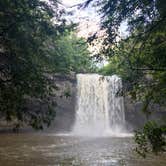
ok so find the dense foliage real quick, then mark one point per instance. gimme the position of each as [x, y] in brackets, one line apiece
[73, 55]
[35, 42]
[139, 57]
[151, 139]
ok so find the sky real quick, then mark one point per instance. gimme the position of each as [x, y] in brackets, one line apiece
[71, 2]
[89, 12]
[87, 18]
[89, 23]
[88, 15]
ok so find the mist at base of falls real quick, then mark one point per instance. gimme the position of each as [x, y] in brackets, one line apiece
[99, 106]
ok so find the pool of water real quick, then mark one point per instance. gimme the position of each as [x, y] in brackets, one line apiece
[64, 150]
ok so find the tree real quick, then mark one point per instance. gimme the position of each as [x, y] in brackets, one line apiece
[72, 54]
[31, 33]
[139, 57]
[25, 26]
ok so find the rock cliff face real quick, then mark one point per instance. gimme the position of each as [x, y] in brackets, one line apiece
[65, 97]
[136, 118]
[66, 100]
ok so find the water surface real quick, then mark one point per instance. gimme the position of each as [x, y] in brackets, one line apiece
[53, 150]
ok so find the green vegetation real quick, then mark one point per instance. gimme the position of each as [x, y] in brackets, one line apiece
[35, 42]
[151, 139]
[140, 57]
[73, 55]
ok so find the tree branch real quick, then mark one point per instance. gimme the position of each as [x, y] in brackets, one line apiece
[150, 69]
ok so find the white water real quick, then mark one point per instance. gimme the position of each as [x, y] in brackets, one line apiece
[99, 109]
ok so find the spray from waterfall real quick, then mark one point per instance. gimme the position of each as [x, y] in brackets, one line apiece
[100, 108]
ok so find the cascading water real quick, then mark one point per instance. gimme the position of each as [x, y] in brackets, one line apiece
[100, 108]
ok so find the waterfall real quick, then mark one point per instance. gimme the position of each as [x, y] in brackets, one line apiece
[99, 108]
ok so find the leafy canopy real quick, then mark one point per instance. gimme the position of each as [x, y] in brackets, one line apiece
[138, 58]
[35, 42]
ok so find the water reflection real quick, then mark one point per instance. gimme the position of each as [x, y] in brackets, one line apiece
[51, 150]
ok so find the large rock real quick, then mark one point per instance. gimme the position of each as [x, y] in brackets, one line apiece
[65, 99]
[136, 118]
